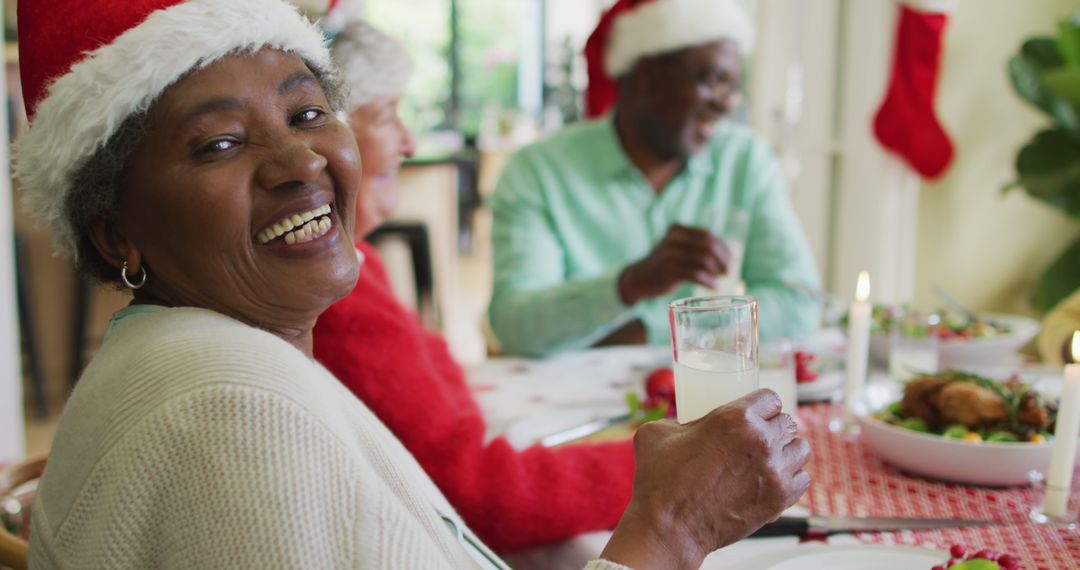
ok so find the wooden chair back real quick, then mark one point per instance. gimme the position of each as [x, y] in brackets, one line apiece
[18, 484]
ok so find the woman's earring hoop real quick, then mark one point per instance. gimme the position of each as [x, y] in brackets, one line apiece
[132, 286]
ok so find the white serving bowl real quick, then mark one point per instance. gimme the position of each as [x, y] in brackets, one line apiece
[979, 463]
[972, 352]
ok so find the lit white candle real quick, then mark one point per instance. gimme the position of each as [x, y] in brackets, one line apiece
[858, 347]
[1059, 477]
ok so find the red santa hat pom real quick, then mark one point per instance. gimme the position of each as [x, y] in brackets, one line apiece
[84, 74]
[633, 29]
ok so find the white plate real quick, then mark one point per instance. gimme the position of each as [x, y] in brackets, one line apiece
[982, 463]
[856, 557]
[821, 389]
[530, 430]
[967, 353]
[828, 350]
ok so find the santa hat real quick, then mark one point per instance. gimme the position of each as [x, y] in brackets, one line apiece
[633, 29]
[88, 65]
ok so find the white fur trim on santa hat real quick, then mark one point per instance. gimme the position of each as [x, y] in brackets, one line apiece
[662, 26]
[931, 6]
[87, 105]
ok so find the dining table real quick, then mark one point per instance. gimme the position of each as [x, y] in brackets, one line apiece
[526, 400]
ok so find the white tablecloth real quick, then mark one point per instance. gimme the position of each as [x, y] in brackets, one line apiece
[527, 399]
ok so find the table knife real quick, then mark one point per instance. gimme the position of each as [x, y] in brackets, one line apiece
[826, 525]
[583, 430]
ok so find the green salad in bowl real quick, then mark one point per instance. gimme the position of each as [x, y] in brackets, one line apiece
[950, 325]
[963, 341]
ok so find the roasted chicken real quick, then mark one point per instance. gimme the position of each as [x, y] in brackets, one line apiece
[949, 399]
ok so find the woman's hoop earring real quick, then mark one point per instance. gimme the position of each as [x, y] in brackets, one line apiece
[133, 286]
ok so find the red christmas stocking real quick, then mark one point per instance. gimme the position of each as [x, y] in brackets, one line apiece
[905, 123]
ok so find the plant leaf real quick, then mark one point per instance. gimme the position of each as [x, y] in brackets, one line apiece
[1043, 53]
[1068, 43]
[655, 414]
[1059, 280]
[1064, 83]
[1010, 186]
[977, 564]
[633, 403]
[1026, 76]
[1049, 169]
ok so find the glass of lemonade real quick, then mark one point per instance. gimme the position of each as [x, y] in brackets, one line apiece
[776, 361]
[715, 348]
[734, 233]
[913, 345]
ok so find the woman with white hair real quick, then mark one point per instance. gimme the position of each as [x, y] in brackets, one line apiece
[375, 69]
[378, 349]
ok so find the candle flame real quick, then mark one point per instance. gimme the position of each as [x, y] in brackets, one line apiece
[1076, 346]
[862, 287]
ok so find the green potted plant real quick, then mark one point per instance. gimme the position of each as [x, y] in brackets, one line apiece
[1046, 74]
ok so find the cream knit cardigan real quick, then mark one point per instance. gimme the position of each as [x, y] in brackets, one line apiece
[195, 441]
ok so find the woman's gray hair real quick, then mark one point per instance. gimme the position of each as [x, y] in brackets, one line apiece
[96, 184]
[372, 63]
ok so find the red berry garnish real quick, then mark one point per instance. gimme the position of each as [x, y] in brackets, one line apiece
[957, 551]
[660, 385]
[1008, 562]
[802, 367]
[938, 567]
[985, 554]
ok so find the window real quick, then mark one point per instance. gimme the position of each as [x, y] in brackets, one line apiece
[468, 56]
[422, 26]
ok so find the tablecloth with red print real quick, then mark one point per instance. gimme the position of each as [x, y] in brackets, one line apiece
[850, 480]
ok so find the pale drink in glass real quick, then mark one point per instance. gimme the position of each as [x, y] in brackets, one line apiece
[715, 350]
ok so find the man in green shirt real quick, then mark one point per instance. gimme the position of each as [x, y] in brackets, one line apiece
[600, 226]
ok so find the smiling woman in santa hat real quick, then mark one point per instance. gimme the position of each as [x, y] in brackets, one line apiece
[190, 151]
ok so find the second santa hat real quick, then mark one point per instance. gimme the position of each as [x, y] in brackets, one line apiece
[633, 29]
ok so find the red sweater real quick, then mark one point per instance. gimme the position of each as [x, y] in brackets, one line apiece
[405, 374]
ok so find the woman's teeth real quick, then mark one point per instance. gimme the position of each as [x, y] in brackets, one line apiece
[309, 231]
[299, 228]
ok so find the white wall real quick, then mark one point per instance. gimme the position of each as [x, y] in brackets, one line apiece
[876, 198]
[574, 18]
[985, 248]
[818, 76]
[792, 94]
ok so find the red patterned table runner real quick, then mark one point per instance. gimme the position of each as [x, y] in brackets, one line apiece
[850, 480]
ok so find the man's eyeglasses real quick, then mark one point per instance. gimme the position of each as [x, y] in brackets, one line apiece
[717, 84]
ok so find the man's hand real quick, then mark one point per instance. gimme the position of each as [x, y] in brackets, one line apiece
[709, 483]
[632, 332]
[684, 254]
